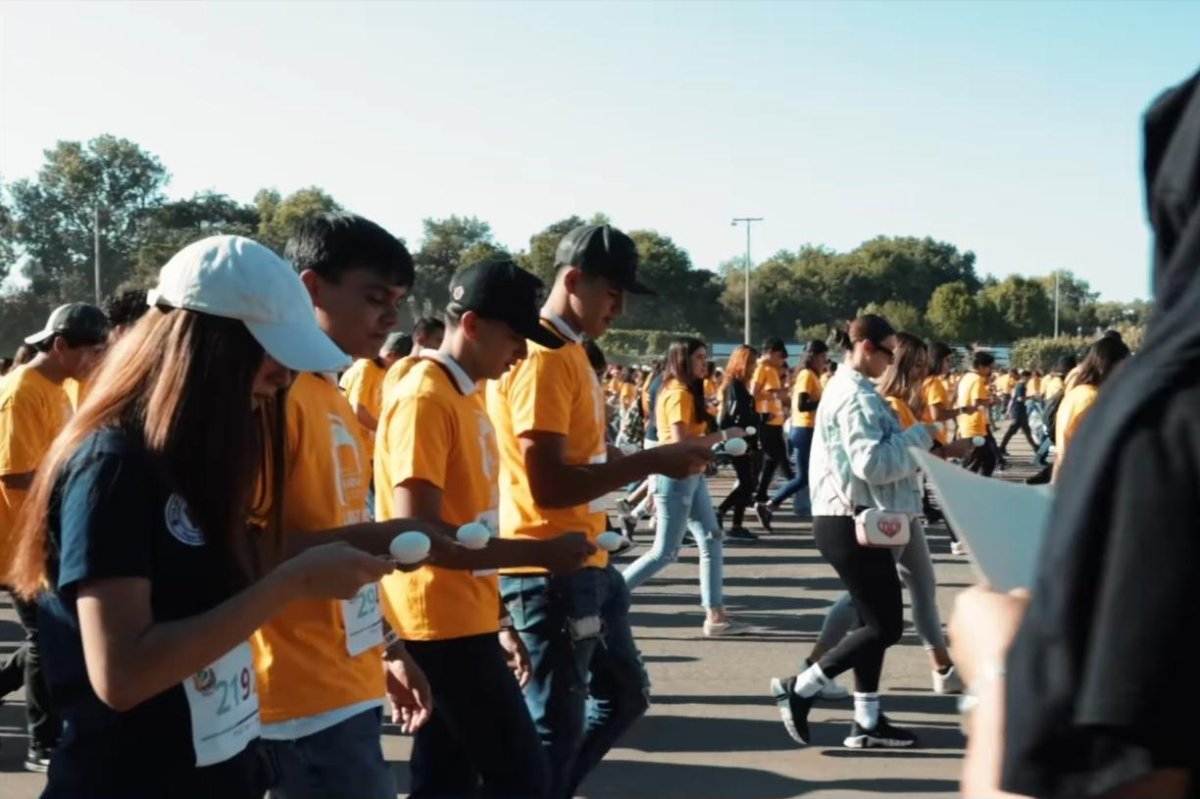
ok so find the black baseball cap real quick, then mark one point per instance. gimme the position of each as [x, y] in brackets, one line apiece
[80, 323]
[603, 251]
[499, 290]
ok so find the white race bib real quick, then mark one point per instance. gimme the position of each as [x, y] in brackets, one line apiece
[223, 701]
[362, 620]
[599, 505]
[491, 520]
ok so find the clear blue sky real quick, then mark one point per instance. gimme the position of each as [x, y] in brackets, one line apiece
[1009, 128]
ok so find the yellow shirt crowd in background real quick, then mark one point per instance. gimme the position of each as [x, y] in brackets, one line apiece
[806, 383]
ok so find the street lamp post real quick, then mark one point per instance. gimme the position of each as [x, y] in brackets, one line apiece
[1056, 277]
[96, 245]
[748, 221]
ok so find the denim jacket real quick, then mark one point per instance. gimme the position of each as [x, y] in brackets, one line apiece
[858, 447]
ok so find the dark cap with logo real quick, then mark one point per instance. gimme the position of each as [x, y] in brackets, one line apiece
[603, 251]
[81, 324]
[499, 290]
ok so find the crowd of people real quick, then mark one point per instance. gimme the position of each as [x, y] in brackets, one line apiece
[203, 485]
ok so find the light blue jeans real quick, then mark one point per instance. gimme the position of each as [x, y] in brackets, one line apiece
[683, 506]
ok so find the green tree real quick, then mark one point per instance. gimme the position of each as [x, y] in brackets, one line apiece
[277, 215]
[165, 230]
[539, 258]
[953, 313]
[907, 269]
[22, 313]
[688, 298]
[1021, 306]
[1076, 300]
[8, 244]
[901, 315]
[54, 216]
[443, 247]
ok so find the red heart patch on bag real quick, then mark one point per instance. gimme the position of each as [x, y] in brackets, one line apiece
[889, 528]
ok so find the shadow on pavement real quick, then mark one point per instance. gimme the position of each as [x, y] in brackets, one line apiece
[618, 779]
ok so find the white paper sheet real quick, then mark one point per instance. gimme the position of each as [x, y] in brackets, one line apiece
[1002, 523]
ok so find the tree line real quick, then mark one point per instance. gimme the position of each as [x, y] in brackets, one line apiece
[48, 226]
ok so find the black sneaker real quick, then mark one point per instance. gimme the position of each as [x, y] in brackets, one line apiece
[763, 511]
[883, 736]
[741, 534]
[37, 760]
[794, 709]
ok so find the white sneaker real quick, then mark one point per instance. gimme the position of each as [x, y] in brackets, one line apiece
[948, 684]
[958, 548]
[722, 629]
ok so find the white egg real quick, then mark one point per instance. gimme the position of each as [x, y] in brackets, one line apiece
[978, 441]
[410, 547]
[474, 535]
[610, 541]
[751, 431]
[736, 447]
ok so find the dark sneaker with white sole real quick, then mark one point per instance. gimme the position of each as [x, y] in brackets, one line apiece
[883, 736]
[792, 708]
[762, 511]
[37, 760]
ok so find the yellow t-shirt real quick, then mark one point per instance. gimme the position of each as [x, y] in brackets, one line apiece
[710, 390]
[933, 392]
[806, 383]
[362, 384]
[1035, 387]
[437, 430]
[903, 412]
[393, 376]
[302, 656]
[33, 411]
[1054, 386]
[825, 379]
[676, 404]
[766, 380]
[551, 391]
[970, 390]
[1075, 405]
[76, 391]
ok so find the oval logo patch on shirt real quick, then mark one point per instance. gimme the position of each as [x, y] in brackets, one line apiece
[180, 523]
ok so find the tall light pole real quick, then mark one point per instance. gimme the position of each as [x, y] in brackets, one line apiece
[1057, 272]
[96, 244]
[748, 221]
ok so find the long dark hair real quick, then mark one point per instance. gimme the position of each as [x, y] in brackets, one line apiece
[679, 367]
[1101, 361]
[180, 383]
[815, 349]
[938, 353]
[897, 380]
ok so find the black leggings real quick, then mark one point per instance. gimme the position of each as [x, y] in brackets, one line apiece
[870, 577]
[742, 494]
[774, 457]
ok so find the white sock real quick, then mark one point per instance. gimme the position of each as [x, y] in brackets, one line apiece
[866, 710]
[810, 681]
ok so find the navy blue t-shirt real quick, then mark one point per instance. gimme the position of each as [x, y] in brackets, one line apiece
[110, 516]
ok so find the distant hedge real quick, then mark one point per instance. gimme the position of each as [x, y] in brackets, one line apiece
[1043, 352]
[627, 345]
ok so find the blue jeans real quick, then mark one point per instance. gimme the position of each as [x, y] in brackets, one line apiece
[480, 729]
[343, 762]
[589, 685]
[801, 440]
[684, 505]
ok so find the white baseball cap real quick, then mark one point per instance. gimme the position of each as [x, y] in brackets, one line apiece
[238, 278]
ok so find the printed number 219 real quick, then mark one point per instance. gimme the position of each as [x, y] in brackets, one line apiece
[235, 692]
